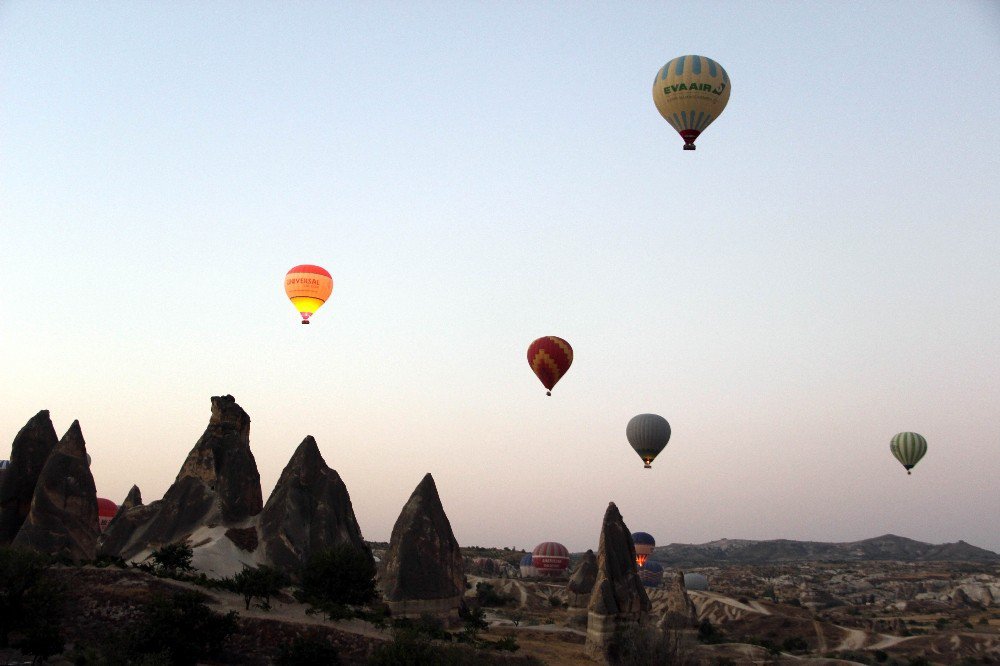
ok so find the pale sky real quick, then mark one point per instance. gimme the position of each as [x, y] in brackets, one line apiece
[820, 274]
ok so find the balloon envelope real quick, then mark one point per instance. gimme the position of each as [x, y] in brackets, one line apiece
[644, 544]
[106, 510]
[308, 287]
[648, 434]
[690, 92]
[550, 558]
[550, 358]
[909, 448]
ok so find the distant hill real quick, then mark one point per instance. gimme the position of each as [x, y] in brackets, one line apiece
[887, 547]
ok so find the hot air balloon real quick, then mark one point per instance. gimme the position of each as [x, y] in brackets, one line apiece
[550, 559]
[308, 287]
[690, 92]
[909, 448]
[648, 434]
[644, 544]
[550, 358]
[106, 510]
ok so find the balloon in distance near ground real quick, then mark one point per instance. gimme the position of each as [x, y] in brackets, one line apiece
[550, 559]
[308, 287]
[690, 92]
[648, 434]
[550, 358]
[106, 510]
[909, 448]
[644, 545]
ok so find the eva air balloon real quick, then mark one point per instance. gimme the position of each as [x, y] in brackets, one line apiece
[648, 434]
[909, 448]
[308, 287]
[690, 92]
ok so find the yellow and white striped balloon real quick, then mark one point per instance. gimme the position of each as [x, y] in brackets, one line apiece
[909, 448]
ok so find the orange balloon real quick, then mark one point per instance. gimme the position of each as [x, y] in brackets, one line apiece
[308, 287]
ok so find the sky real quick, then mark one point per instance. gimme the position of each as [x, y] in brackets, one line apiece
[821, 273]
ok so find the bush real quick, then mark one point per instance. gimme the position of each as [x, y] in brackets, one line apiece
[340, 575]
[307, 652]
[173, 557]
[475, 620]
[487, 595]
[259, 583]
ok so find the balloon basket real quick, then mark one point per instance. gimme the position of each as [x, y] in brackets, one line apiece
[305, 321]
[690, 146]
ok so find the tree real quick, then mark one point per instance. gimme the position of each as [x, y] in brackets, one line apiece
[173, 557]
[338, 576]
[259, 583]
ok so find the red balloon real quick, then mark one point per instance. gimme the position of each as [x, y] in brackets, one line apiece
[550, 358]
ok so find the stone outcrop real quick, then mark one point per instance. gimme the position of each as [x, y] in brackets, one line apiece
[618, 600]
[581, 582]
[131, 514]
[31, 448]
[422, 572]
[679, 611]
[309, 510]
[63, 516]
[218, 485]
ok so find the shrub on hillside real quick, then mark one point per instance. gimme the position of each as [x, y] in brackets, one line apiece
[173, 558]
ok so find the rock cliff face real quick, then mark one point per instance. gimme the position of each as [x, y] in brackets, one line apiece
[308, 511]
[581, 583]
[423, 572]
[63, 516]
[31, 448]
[619, 599]
[218, 485]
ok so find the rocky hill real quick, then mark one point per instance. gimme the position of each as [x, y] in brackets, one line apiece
[887, 547]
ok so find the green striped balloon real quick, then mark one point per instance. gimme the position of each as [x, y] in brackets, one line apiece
[909, 448]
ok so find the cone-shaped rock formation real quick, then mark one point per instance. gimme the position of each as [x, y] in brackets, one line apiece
[618, 599]
[309, 510]
[581, 583]
[679, 611]
[31, 448]
[423, 567]
[131, 513]
[63, 516]
[218, 485]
